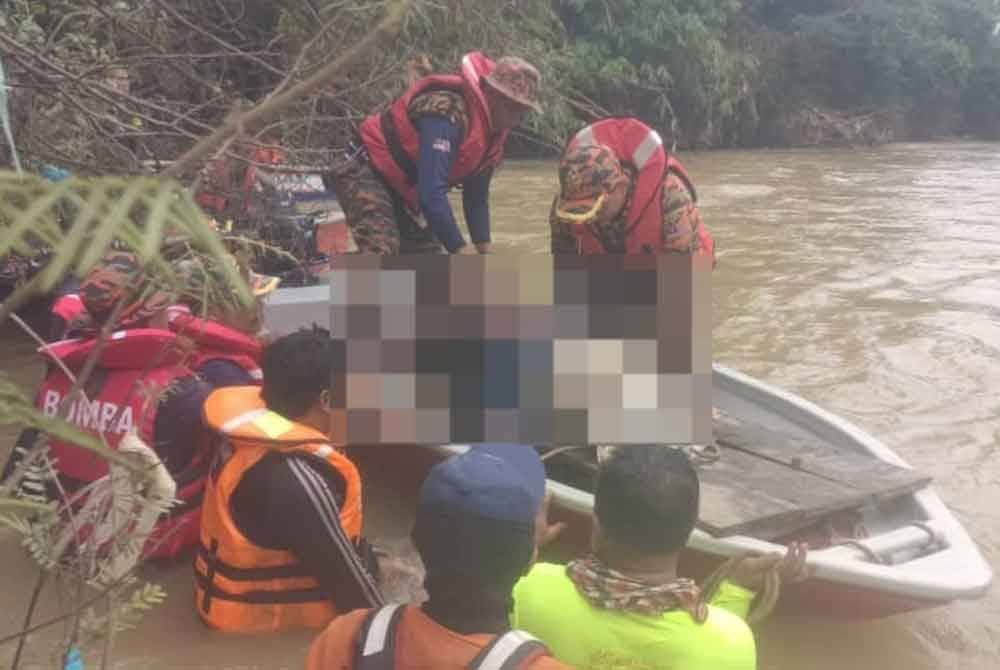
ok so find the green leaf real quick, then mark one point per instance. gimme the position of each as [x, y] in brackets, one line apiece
[23, 506]
[139, 212]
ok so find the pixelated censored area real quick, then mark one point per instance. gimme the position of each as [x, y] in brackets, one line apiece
[537, 349]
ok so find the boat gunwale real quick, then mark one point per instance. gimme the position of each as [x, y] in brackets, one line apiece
[970, 578]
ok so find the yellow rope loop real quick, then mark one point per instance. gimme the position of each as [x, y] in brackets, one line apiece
[763, 605]
[583, 217]
[767, 599]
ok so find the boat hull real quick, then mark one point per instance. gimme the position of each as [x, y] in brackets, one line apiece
[816, 599]
[904, 552]
[392, 476]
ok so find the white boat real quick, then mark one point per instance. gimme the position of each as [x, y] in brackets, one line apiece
[916, 554]
[903, 551]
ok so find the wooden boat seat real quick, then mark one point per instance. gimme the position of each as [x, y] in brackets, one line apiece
[769, 483]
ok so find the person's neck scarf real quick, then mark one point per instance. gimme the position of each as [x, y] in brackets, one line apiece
[608, 589]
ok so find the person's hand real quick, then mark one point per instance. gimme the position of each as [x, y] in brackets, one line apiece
[544, 531]
[484, 247]
[791, 568]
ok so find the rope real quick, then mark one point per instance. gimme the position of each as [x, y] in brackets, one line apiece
[549, 454]
[699, 454]
[763, 605]
[863, 548]
[702, 454]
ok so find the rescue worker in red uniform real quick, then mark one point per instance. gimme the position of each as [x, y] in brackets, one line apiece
[480, 519]
[445, 131]
[227, 346]
[229, 181]
[621, 192]
[128, 390]
[281, 544]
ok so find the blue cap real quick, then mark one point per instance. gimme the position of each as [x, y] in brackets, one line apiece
[504, 482]
[525, 458]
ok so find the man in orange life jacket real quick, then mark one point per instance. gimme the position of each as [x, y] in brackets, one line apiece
[480, 518]
[621, 192]
[281, 544]
[445, 131]
[140, 382]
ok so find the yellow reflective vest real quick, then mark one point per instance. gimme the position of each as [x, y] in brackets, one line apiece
[548, 606]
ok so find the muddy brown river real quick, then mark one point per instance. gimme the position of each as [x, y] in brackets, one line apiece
[866, 281]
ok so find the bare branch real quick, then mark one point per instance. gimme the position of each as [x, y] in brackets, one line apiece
[268, 109]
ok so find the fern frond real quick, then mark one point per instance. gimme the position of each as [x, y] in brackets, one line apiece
[127, 614]
[135, 212]
[23, 506]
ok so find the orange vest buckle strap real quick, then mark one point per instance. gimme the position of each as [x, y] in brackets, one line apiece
[272, 575]
[377, 648]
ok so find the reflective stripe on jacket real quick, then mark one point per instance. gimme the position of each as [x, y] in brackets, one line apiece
[636, 144]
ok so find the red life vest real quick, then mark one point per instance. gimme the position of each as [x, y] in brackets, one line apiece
[218, 342]
[393, 142]
[119, 403]
[638, 145]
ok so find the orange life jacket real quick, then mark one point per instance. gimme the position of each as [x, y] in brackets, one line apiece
[638, 145]
[393, 142]
[403, 637]
[241, 587]
[378, 646]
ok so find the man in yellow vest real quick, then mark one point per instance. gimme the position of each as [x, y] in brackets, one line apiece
[281, 543]
[625, 606]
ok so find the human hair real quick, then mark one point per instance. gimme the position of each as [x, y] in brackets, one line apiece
[297, 368]
[646, 499]
[471, 566]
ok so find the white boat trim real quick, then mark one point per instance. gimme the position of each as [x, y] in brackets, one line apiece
[957, 571]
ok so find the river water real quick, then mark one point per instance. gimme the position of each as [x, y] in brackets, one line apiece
[867, 281]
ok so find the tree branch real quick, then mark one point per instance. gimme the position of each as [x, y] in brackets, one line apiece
[270, 108]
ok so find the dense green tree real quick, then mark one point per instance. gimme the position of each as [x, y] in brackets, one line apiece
[676, 63]
[704, 72]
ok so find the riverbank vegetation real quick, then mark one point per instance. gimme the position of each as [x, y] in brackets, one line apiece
[105, 86]
[89, 544]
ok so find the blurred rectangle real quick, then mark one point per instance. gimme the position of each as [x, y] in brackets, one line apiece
[537, 349]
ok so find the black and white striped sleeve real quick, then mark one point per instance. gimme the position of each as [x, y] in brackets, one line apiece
[309, 520]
